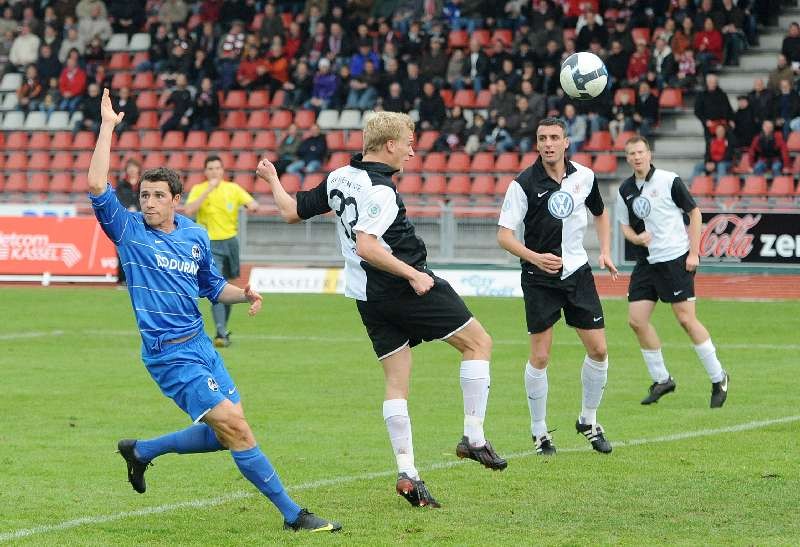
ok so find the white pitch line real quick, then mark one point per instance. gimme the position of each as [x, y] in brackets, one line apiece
[212, 502]
[35, 334]
[522, 341]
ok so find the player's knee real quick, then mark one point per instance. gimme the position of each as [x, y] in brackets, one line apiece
[483, 342]
[685, 320]
[539, 359]
[636, 324]
[598, 352]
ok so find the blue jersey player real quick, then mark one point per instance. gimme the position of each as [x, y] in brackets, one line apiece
[168, 265]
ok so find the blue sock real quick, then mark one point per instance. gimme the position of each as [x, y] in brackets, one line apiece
[192, 440]
[256, 468]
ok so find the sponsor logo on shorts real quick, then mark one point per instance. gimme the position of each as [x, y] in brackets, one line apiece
[560, 204]
[676, 293]
[212, 384]
[641, 207]
[596, 319]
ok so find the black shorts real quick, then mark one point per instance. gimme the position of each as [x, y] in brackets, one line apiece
[226, 255]
[409, 319]
[666, 281]
[546, 296]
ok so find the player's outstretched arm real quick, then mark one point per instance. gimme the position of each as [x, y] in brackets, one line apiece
[369, 248]
[232, 294]
[101, 158]
[546, 262]
[287, 205]
[602, 224]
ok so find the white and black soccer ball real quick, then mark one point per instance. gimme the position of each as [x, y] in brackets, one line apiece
[583, 75]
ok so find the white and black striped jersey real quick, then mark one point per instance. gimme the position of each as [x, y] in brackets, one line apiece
[554, 214]
[656, 204]
[365, 199]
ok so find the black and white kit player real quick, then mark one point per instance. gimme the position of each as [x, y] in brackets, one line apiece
[651, 205]
[551, 199]
[401, 302]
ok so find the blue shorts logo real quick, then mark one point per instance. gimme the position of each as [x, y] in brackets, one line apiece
[560, 204]
[212, 384]
[641, 207]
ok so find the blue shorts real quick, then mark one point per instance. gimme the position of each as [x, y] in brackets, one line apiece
[193, 375]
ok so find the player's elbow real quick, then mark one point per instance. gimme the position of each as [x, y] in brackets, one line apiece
[503, 235]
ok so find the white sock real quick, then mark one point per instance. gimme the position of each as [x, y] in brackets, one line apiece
[536, 386]
[395, 414]
[475, 387]
[594, 375]
[655, 365]
[708, 356]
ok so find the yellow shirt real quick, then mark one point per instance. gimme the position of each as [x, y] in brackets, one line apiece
[219, 212]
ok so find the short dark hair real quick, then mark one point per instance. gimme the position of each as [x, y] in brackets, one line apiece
[550, 121]
[164, 174]
[212, 157]
[638, 138]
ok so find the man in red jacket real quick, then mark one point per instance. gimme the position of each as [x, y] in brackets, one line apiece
[72, 83]
[768, 149]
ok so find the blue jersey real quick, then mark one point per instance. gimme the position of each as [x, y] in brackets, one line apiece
[166, 273]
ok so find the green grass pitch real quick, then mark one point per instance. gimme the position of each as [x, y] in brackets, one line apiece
[680, 473]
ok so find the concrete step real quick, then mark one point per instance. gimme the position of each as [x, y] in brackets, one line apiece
[786, 18]
[757, 61]
[772, 41]
[687, 147]
[688, 124]
[736, 84]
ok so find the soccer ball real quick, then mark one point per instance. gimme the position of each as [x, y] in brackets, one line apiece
[583, 75]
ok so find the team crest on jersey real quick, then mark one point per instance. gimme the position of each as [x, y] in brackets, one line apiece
[507, 205]
[196, 252]
[560, 204]
[641, 207]
[213, 385]
[374, 210]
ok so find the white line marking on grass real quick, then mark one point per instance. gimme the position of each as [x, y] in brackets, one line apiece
[212, 502]
[35, 334]
[523, 341]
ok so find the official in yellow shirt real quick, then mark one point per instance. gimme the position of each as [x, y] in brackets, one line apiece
[216, 203]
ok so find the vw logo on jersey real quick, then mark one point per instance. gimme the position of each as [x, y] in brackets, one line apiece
[196, 252]
[641, 207]
[560, 204]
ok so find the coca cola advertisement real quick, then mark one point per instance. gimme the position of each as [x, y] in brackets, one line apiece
[746, 238]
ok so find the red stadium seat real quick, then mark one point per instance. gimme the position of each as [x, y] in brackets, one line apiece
[281, 119]
[255, 24]
[504, 35]
[264, 140]
[755, 185]
[483, 36]
[728, 186]
[143, 81]
[16, 182]
[600, 141]
[426, 140]
[629, 91]
[447, 97]
[502, 185]
[197, 162]
[258, 119]
[39, 160]
[246, 181]
[434, 184]
[147, 100]
[85, 140]
[219, 140]
[743, 167]
[242, 140]
[80, 183]
[337, 159]
[640, 33]
[702, 185]
[148, 120]
[528, 159]
[583, 158]
[39, 141]
[483, 185]
[60, 183]
[38, 182]
[16, 161]
[622, 139]
[173, 140]
[150, 140]
[62, 140]
[121, 79]
[670, 98]
[354, 142]
[291, 182]
[781, 186]
[465, 98]
[235, 119]
[153, 159]
[410, 184]
[139, 57]
[483, 99]
[483, 162]
[434, 161]
[278, 99]
[312, 180]
[413, 165]
[258, 100]
[507, 162]
[260, 186]
[335, 140]
[196, 140]
[120, 61]
[235, 100]
[16, 140]
[458, 39]
[794, 141]
[304, 119]
[246, 161]
[62, 161]
[82, 161]
[605, 164]
[458, 162]
[459, 185]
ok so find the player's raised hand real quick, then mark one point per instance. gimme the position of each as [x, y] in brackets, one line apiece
[547, 262]
[421, 283]
[605, 262]
[255, 300]
[107, 113]
[644, 239]
[692, 262]
[266, 170]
